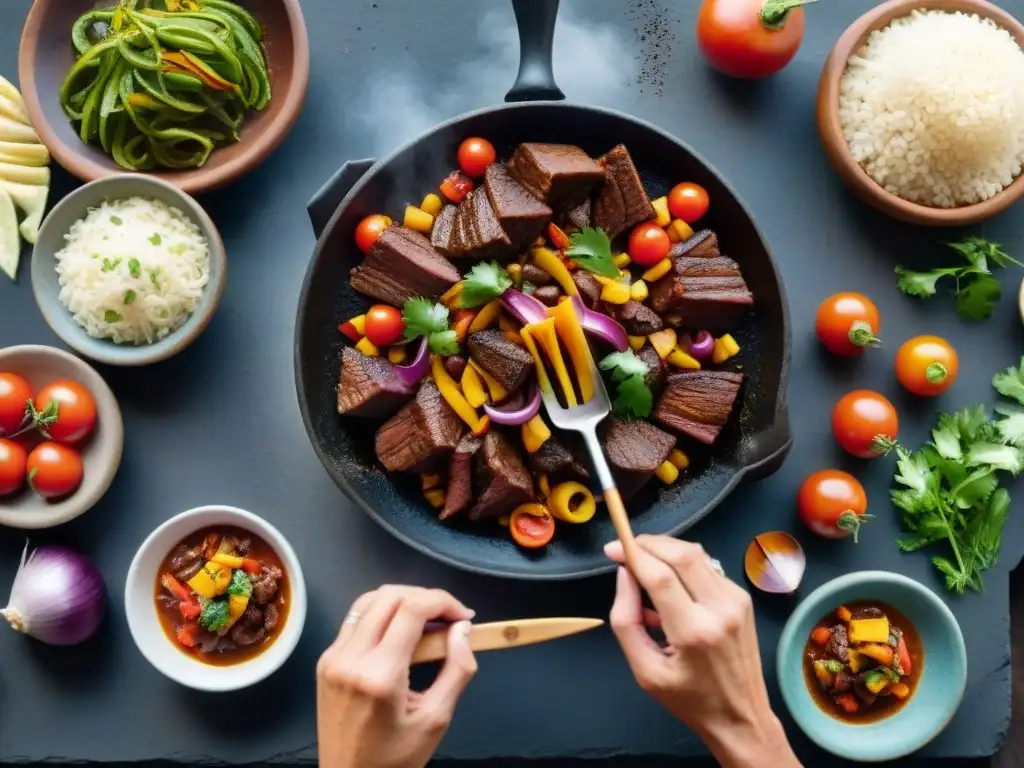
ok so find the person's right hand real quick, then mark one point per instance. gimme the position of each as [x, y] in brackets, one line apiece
[709, 673]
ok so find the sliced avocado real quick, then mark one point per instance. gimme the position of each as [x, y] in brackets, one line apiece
[31, 199]
[10, 243]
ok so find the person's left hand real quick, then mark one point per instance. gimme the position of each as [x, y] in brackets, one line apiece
[367, 716]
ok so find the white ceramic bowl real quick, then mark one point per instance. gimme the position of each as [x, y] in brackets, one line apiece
[160, 650]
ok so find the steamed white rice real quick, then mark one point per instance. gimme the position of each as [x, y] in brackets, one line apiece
[133, 270]
[932, 107]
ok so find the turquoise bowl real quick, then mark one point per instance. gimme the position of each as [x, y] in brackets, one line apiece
[939, 690]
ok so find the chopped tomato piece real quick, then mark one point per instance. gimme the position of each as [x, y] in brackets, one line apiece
[456, 186]
[190, 609]
[821, 635]
[175, 587]
[903, 656]
[187, 635]
[252, 566]
[848, 703]
[558, 238]
[349, 330]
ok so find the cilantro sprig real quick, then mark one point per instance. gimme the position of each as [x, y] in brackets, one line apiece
[485, 281]
[977, 291]
[592, 250]
[633, 399]
[422, 317]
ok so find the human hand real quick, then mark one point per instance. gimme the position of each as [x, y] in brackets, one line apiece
[708, 675]
[367, 716]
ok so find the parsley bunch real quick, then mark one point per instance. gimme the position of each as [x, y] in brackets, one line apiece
[633, 399]
[422, 317]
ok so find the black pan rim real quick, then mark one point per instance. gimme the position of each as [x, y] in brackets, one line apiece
[367, 508]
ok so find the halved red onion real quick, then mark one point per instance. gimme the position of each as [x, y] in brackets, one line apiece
[702, 345]
[604, 327]
[513, 418]
[413, 373]
[523, 307]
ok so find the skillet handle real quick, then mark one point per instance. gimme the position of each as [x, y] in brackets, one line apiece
[536, 78]
[765, 453]
[327, 199]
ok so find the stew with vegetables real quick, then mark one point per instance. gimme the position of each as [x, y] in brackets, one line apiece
[222, 595]
[863, 662]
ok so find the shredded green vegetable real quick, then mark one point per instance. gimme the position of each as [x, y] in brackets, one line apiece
[162, 83]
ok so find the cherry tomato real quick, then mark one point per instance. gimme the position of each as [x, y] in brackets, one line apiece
[369, 230]
[12, 466]
[833, 504]
[903, 654]
[54, 470]
[14, 396]
[456, 186]
[927, 365]
[75, 416]
[475, 155]
[688, 201]
[738, 39]
[648, 244]
[847, 323]
[384, 325]
[532, 526]
[860, 419]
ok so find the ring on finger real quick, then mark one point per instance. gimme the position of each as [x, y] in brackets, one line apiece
[352, 618]
[716, 565]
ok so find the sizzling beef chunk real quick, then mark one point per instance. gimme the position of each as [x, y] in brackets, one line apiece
[560, 459]
[444, 225]
[622, 202]
[248, 630]
[561, 175]
[243, 546]
[265, 584]
[844, 681]
[549, 295]
[455, 365]
[521, 215]
[866, 696]
[634, 449]
[587, 285]
[424, 431]
[502, 480]
[402, 264]
[509, 363]
[534, 274]
[271, 615]
[703, 244]
[368, 386]
[460, 477]
[655, 378]
[698, 403]
[577, 217]
[477, 234]
[702, 292]
[186, 562]
[839, 643]
[637, 319]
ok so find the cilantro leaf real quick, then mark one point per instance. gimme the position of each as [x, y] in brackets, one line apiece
[634, 400]
[922, 284]
[624, 364]
[443, 343]
[213, 615]
[241, 585]
[956, 580]
[979, 252]
[423, 317]
[977, 300]
[995, 455]
[986, 530]
[592, 250]
[1011, 427]
[134, 268]
[975, 488]
[485, 281]
[947, 441]
[1009, 382]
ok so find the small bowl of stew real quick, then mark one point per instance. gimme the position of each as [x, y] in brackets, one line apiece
[215, 598]
[872, 666]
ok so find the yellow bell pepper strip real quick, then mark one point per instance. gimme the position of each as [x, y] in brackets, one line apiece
[621, 261]
[725, 347]
[869, 631]
[544, 334]
[435, 497]
[680, 359]
[880, 652]
[367, 347]
[498, 392]
[506, 323]
[660, 207]
[637, 342]
[236, 607]
[663, 342]
[844, 614]
[667, 472]
[543, 486]
[900, 691]
[212, 580]
[679, 459]
[486, 316]
[429, 480]
[561, 505]
[515, 271]
[418, 220]
[473, 387]
[679, 230]
[570, 331]
[515, 338]
[638, 291]
[431, 204]
[531, 346]
[658, 271]
[231, 561]
[452, 394]
[550, 262]
[615, 292]
[534, 434]
[450, 297]
[482, 426]
[397, 355]
[857, 661]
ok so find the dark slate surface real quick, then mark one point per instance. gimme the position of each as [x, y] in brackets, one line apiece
[219, 423]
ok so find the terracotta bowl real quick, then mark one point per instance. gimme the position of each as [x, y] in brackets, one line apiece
[46, 56]
[837, 150]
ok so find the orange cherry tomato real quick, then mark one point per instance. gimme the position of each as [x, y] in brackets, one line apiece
[14, 396]
[532, 526]
[13, 460]
[833, 504]
[75, 411]
[927, 365]
[369, 230]
[847, 323]
[54, 470]
[384, 325]
[648, 244]
[688, 201]
[863, 421]
[741, 39]
[475, 155]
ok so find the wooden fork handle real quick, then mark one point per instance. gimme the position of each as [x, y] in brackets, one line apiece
[617, 511]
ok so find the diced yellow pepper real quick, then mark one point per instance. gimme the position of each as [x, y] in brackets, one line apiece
[534, 434]
[451, 393]
[544, 333]
[560, 502]
[876, 683]
[881, 652]
[663, 341]
[661, 209]
[681, 359]
[418, 219]
[397, 355]
[621, 261]
[637, 342]
[658, 271]
[869, 630]
[725, 347]
[515, 271]
[638, 291]
[667, 473]
[431, 204]
[498, 392]
[615, 292]
[212, 580]
[450, 298]
[231, 561]
[236, 607]
[551, 263]
[858, 661]
[515, 338]
[900, 690]
[569, 330]
[429, 480]
[367, 347]
[844, 614]
[543, 486]
[359, 323]
[473, 387]
[679, 459]
[679, 230]
[435, 497]
[486, 317]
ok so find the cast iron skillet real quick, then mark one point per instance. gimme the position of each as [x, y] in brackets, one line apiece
[753, 445]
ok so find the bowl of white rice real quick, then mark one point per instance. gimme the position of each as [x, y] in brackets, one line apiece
[921, 110]
[128, 270]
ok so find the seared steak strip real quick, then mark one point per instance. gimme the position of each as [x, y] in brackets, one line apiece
[403, 264]
[698, 403]
[560, 175]
[368, 386]
[508, 363]
[502, 480]
[635, 449]
[425, 430]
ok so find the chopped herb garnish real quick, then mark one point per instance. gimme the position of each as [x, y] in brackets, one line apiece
[109, 265]
[154, 277]
[422, 317]
[155, 239]
[633, 400]
[485, 281]
[241, 585]
[214, 615]
[134, 268]
[110, 316]
[116, 220]
[129, 297]
[528, 287]
[592, 250]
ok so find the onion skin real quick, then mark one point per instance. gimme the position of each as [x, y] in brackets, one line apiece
[523, 307]
[518, 416]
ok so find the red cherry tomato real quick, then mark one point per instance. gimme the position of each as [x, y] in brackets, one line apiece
[903, 654]
[384, 325]
[927, 365]
[14, 396]
[532, 526]
[456, 186]
[847, 323]
[12, 466]
[648, 244]
[75, 411]
[688, 201]
[475, 155]
[54, 470]
[861, 419]
[369, 230]
[832, 504]
[740, 39]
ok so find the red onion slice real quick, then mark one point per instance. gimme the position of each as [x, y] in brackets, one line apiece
[513, 418]
[413, 373]
[702, 345]
[523, 307]
[604, 327]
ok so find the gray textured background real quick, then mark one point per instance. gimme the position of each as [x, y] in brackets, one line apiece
[219, 423]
